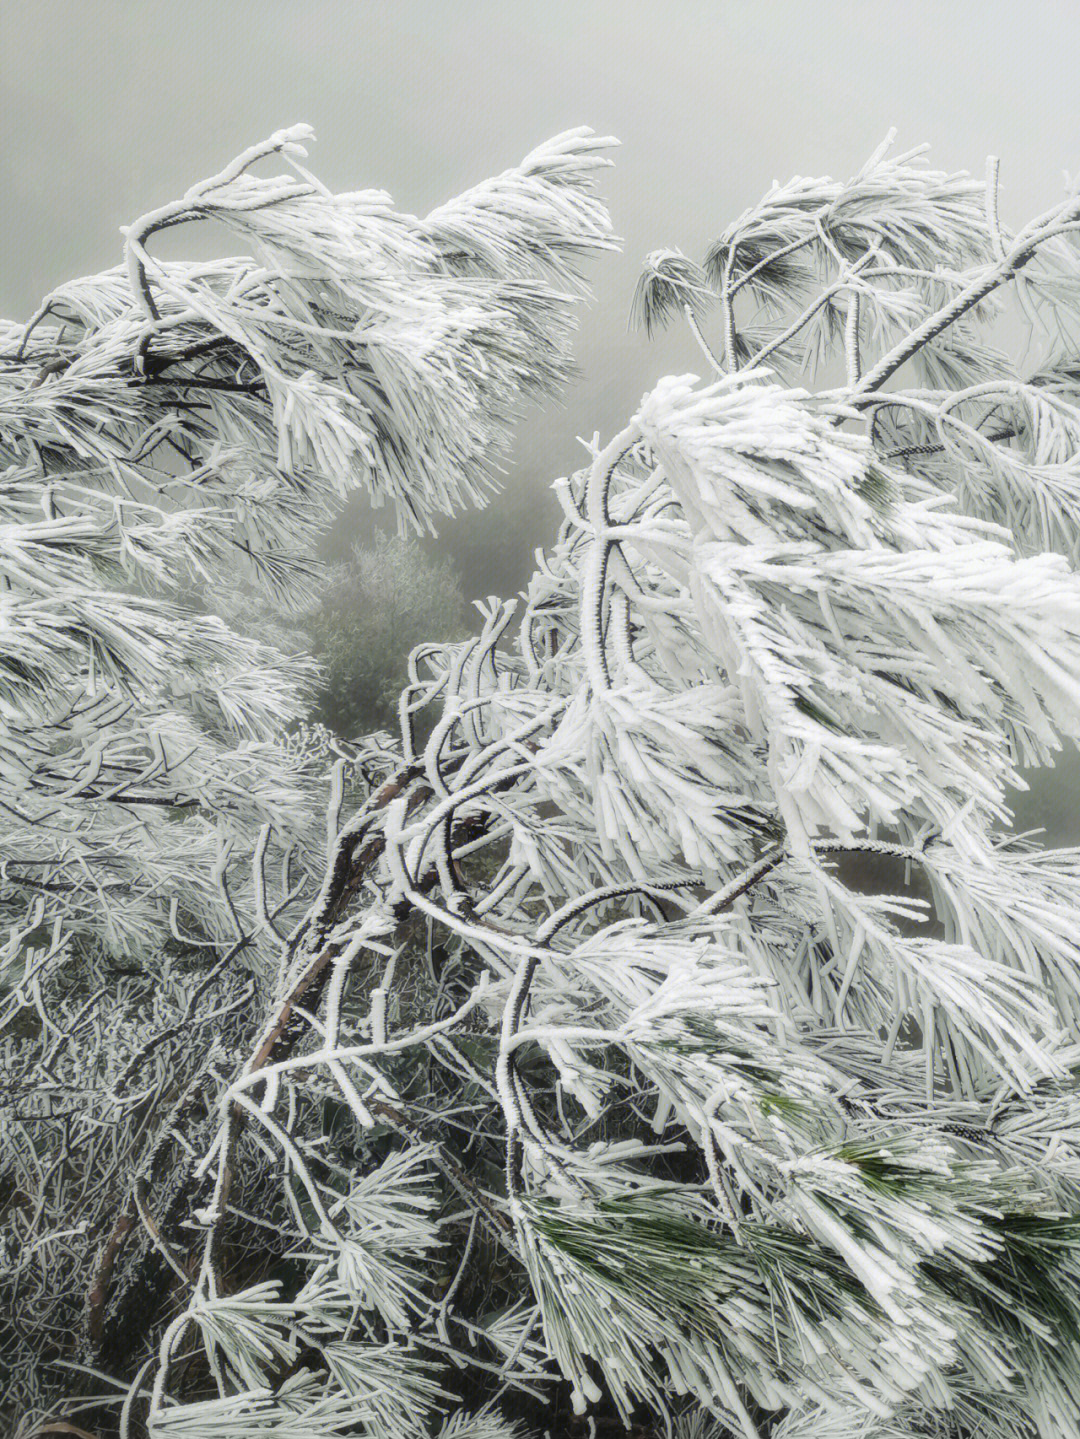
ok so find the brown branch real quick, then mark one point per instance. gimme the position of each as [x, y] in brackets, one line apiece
[61, 1426]
[51, 367]
[256, 387]
[286, 1028]
[162, 360]
[98, 1292]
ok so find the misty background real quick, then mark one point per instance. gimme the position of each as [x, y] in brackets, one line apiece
[112, 107]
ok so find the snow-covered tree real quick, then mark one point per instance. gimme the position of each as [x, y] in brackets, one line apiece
[596, 1083]
[163, 808]
[370, 611]
[376, 607]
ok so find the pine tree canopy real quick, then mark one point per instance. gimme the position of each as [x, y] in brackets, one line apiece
[664, 1029]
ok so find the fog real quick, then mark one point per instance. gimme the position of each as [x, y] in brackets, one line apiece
[111, 107]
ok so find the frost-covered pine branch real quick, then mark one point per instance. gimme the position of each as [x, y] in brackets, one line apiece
[163, 804]
[597, 1083]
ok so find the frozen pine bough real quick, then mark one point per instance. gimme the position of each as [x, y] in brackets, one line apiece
[166, 429]
[679, 1038]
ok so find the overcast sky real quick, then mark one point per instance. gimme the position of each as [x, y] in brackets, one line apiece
[111, 107]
